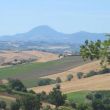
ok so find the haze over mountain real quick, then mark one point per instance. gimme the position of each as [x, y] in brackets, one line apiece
[47, 34]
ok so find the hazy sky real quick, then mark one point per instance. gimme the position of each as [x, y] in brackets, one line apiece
[67, 16]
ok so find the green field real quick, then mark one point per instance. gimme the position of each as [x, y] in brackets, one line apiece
[29, 73]
[78, 97]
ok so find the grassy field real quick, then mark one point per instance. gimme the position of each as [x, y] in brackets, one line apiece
[29, 73]
[78, 97]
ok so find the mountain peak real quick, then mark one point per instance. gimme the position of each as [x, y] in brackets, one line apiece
[42, 28]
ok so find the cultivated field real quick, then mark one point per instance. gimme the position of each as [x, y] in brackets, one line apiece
[29, 73]
[83, 68]
[98, 82]
[9, 57]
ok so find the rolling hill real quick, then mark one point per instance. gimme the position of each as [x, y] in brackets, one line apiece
[47, 34]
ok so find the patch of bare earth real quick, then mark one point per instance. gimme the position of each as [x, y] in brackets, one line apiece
[43, 56]
[38, 56]
[98, 82]
[7, 97]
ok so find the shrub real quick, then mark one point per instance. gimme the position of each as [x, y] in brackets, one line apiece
[46, 81]
[15, 105]
[17, 85]
[58, 80]
[104, 71]
[91, 73]
[89, 96]
[80, 75]
[73, 105]
[2, 105]
[69, 77]
[43, 96]
[56, 97]
[57, 86]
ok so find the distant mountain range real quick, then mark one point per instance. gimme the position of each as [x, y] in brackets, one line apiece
[48, 35]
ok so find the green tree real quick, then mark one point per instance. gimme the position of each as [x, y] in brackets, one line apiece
[56, 97]
[69, 77]
[15, 105]
[96, 50]
[17, 85]
[80, 75]
[2, 105]
[30, 103]
[58, 80]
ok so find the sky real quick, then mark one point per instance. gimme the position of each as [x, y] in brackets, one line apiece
[67, 16]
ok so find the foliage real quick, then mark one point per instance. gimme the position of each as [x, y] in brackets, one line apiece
[56, 97]
[65, 108]
[15, 105]
[17, 85]
[46, 81]
[69, 77]
[83, 107]
[91, 73]
[30, 103]
[2, 105]
[80, 75]
[96, 50]
[58, 80]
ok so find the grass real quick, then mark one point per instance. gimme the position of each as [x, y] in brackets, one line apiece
[78, 97]
[29, 73]
[7, 100]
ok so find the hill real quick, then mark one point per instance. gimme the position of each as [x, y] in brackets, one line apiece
[98, 82]
[47, 34]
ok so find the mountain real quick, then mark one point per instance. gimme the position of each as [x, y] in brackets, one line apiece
[46, 34]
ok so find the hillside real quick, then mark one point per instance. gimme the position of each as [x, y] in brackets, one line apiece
[98, 82]
[48, 35]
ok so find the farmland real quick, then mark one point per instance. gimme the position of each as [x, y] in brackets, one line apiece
[78, 97]
[29, 73]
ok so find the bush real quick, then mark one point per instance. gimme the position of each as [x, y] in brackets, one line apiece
[46, 81]
[58, 80]
[15, 105]
[2, 105]
[80, 75]
[43, 96]
[57, 86]
[91, 73]
[17, 85]
[89, 96]
[104, 71]
[69, 77]
[73, 105]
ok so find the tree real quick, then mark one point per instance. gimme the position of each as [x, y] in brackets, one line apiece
[58, 80]
[15, 105]
[96, 50]
[30, 102]
[69, 77]
[80, 75]
[2, 105]
[56, 97]
[17, 85]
